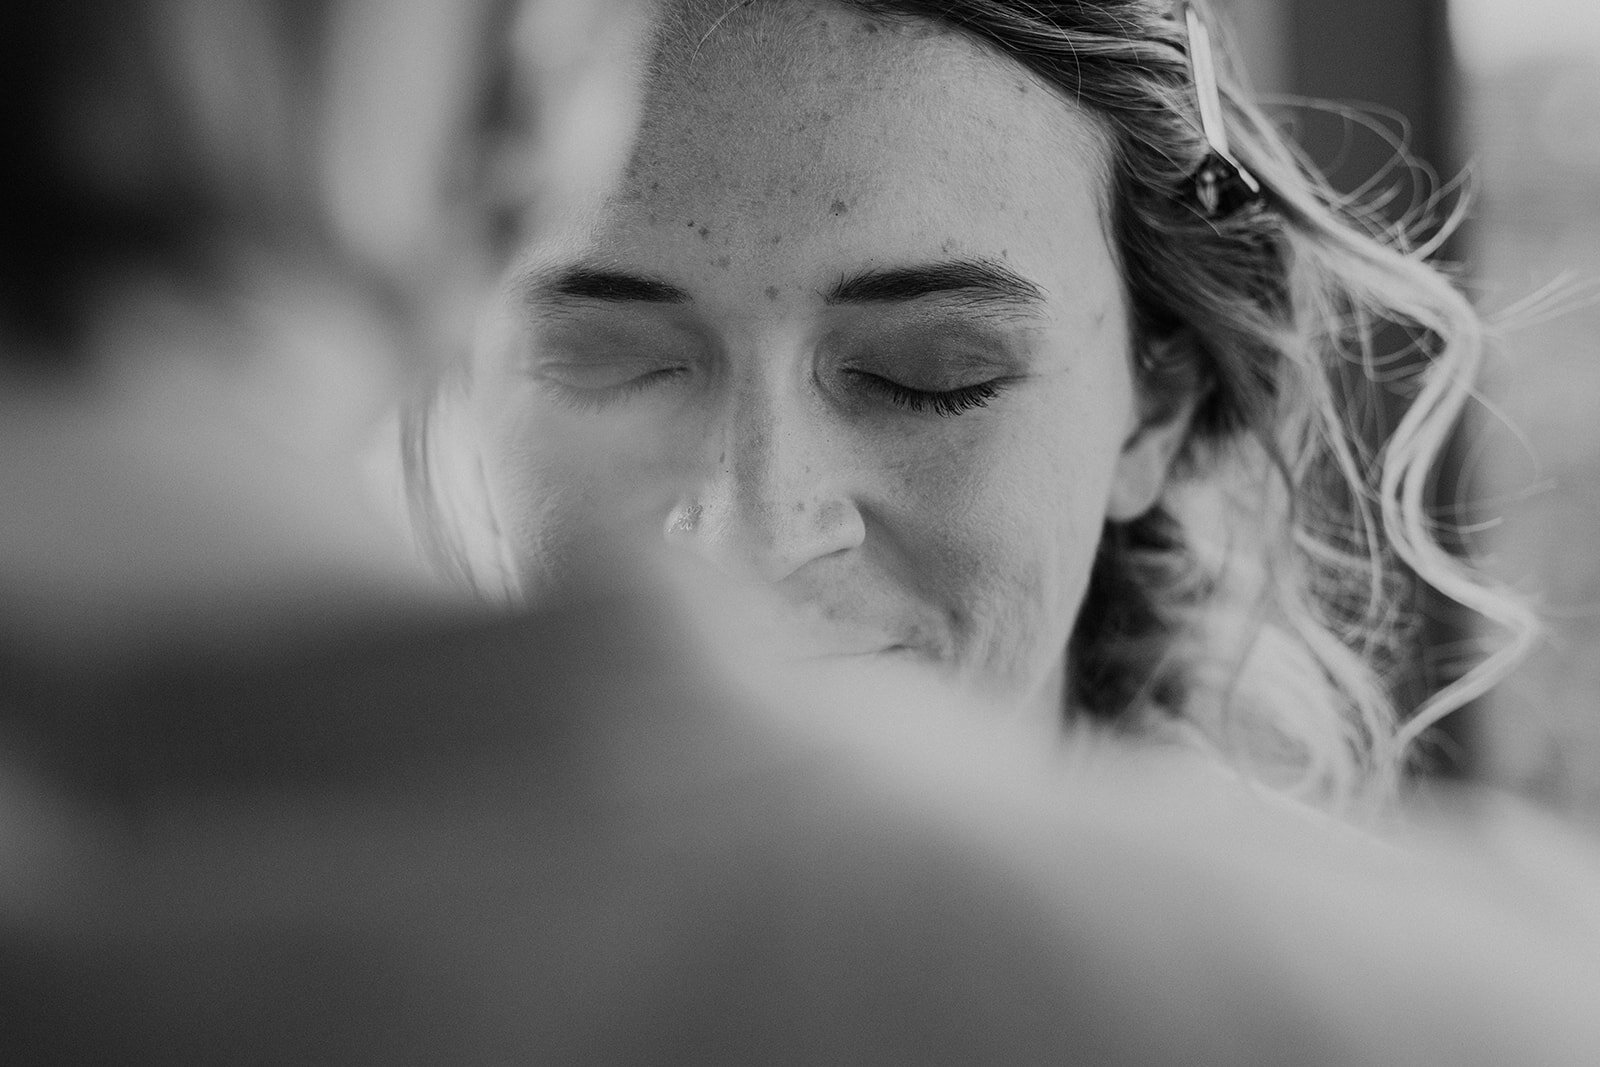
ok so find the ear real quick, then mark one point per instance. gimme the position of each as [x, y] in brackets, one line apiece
[1157, 430]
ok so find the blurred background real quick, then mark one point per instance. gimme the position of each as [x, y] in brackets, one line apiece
[1507, 93]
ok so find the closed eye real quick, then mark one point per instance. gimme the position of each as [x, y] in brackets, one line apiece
[592, 386]
[945, 403]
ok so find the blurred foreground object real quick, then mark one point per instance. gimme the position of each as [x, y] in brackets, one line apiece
[569, 838]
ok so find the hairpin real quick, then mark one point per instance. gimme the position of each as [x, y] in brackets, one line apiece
[1221, 185]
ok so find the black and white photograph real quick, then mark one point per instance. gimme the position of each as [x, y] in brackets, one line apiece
[800, 532]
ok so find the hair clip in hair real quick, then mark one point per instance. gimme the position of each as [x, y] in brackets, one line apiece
[1221, 185]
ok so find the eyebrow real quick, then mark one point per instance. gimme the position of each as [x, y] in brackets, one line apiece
[975, 282]
[600, 284]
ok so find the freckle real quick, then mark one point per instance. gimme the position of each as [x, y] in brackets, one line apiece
[1022, 87]
[799, 506]
[704, 231]
[870, 28]
[801, 128]
[690, 224]
[724, 262]
[653, 219]
[826, 116]
[793, 191]
[776, 238]
[655, 187]
[838, 208]
[772, 292]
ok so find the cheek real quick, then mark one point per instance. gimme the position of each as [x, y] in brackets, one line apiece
[538, 499]
[1002, 527]
[561, 483]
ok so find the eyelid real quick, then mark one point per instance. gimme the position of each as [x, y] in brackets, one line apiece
[945, 403]
[601, 367]
[932, 368]
[597, 397]
[943, 340]
[599, 327]
[612, 340]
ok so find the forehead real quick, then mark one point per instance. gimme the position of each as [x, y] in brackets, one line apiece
[814, 133]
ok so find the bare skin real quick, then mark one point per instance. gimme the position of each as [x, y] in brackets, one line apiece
[852, 330]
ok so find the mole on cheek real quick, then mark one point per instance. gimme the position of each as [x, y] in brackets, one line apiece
[772, 292]
[704, 232]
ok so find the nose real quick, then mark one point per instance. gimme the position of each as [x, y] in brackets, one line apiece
[773, 498]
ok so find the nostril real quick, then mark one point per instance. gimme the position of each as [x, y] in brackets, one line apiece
[764, 540]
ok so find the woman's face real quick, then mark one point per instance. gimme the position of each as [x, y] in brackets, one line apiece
[853, 330]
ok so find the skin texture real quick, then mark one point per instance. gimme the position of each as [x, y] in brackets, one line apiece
[747, 417]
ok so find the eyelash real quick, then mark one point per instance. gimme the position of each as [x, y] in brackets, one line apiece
[599, 399]
[945, 404]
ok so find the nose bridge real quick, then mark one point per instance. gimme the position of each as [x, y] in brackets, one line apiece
[762, 461]
[775, 498]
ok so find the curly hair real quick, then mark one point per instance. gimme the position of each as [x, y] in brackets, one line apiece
[1263, 601]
